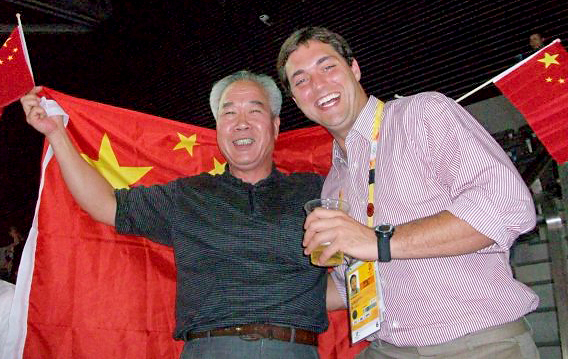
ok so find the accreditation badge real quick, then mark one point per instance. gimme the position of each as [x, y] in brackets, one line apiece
[365, 298]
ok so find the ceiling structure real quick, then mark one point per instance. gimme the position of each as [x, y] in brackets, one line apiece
[163, 56]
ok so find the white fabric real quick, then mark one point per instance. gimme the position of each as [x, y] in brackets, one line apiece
[6, 297]
[16, 337]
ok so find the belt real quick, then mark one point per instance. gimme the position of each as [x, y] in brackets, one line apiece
[262, 331]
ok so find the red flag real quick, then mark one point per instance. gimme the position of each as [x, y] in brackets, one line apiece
[16, 78]
[538, 88]
[96, 294]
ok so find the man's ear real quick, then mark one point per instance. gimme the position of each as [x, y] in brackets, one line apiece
[276, 124]
[355, 69]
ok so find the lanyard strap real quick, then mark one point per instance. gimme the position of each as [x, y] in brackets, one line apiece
[373, 161]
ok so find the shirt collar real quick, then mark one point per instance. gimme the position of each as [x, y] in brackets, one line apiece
[274, 175]
[362, 127]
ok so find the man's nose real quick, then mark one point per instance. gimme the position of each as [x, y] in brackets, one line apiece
[317, 81]
[242, 122]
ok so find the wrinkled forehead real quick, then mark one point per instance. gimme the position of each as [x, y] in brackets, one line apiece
[244, 90]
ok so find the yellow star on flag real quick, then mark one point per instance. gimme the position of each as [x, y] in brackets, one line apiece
[548, 59]
[561, 81]
[549, 79]
[187, 143]
[218, 167]
[107, 165]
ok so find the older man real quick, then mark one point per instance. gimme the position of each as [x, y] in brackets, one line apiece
[244, 287]
[429, 188]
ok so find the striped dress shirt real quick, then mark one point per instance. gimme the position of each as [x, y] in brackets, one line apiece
[433, 156]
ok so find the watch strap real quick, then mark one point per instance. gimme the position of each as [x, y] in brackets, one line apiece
[384, 233]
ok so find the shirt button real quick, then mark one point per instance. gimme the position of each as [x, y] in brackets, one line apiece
[395, 324]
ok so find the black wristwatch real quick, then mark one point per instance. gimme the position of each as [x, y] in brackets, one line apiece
[384, 233]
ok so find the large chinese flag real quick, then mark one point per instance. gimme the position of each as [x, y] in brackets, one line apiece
[85, 292]
[538, 88]
[16, 77]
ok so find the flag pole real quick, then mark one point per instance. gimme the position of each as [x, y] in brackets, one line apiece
[475, 90]
[24, 46]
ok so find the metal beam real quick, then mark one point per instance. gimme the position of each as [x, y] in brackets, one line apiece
[58, 11]
[47, 29]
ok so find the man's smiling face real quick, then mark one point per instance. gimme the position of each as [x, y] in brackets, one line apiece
[325, 87]
[246, 131]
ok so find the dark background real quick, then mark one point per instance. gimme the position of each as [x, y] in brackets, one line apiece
[161, 57]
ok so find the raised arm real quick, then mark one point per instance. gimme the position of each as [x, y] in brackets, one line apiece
[91, 191]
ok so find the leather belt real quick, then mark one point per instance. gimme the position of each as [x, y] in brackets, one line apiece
[262, 331]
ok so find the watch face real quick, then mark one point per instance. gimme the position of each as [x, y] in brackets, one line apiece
[385, 228]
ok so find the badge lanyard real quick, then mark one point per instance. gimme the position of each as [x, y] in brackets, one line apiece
[373, 161]
[364, 290]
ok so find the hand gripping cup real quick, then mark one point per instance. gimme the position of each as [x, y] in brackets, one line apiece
[327, 203]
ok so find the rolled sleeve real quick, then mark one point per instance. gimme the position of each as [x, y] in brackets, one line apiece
[502, 225]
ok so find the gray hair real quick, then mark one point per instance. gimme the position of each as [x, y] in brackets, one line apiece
[264, 81]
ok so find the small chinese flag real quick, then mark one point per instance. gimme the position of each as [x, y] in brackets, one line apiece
[16, 78]
[538, 88]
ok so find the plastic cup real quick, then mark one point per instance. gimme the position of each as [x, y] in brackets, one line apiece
[327, 203]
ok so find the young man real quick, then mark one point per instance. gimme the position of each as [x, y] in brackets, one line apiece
[244, 287]
[446, 195]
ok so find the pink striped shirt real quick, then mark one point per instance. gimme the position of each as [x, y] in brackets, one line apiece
[433, 156]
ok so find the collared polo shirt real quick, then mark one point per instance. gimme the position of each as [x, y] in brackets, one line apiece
[237, 248]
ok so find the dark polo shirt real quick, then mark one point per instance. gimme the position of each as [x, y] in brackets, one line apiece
[237, 248]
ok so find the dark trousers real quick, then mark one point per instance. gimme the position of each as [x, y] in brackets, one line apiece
[230, 347]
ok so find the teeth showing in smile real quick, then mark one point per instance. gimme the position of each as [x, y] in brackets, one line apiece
[328, 100]
[243, 141]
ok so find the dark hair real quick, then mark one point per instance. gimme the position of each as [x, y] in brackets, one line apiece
[301, 37]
